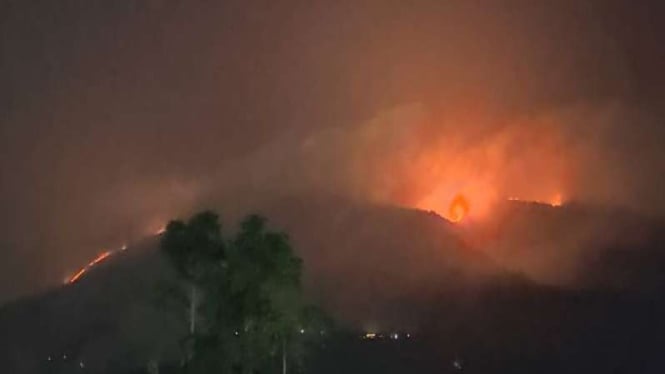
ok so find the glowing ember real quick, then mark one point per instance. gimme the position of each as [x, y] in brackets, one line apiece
[459, 208]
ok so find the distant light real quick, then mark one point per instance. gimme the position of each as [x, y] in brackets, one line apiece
[81, 364]
[236, 333]
[394, 336]
[457, 364]
[49, 358]
[124, 247]
[369, 335]
[408, 336]
[302, 331]
[64, 357]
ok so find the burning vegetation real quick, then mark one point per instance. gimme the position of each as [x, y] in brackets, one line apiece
[101, 257]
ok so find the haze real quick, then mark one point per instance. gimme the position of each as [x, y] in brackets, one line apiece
[116, 116]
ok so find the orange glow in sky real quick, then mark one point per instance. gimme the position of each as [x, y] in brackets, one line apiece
[463, 175]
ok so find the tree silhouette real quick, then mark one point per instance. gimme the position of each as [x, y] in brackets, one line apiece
[196, 250]
[246, 295]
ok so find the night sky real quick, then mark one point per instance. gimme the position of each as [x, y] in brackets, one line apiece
[118, 115]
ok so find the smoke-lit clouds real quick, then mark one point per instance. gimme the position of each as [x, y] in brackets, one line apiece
[419, 156]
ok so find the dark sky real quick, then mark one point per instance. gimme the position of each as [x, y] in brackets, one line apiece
[116, 115]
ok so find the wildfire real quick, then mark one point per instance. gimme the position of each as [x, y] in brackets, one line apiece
[458, 209]
[555, 201]
[76, 276]
[101, 257]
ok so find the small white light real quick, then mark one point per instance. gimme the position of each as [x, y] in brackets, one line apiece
[64, 357]
[236, 333]
[302, 331]
[49, 358]
[81, 364]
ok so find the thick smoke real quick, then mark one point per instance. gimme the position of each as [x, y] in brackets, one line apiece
[417, 155]
[120, 115]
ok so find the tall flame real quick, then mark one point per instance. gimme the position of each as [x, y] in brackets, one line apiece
[459, 208]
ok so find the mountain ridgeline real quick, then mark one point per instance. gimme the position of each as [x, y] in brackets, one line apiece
[536, 288]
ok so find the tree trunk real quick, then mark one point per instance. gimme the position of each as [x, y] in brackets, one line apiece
[153, 366]
[192, 326]
[283, 356]
[192, 311]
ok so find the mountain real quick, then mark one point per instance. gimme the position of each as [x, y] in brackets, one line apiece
[575, 244]
[472, 290]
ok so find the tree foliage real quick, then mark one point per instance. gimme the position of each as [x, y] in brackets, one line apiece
[195, 246]
[252, 316]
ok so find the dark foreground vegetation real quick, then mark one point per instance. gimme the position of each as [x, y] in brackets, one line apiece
[242, 297]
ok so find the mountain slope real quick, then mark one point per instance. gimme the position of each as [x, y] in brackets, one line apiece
[382, 267]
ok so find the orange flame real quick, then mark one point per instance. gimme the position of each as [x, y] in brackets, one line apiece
[555, 201]
[78, 275]
[101, 257]
[459, 208]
